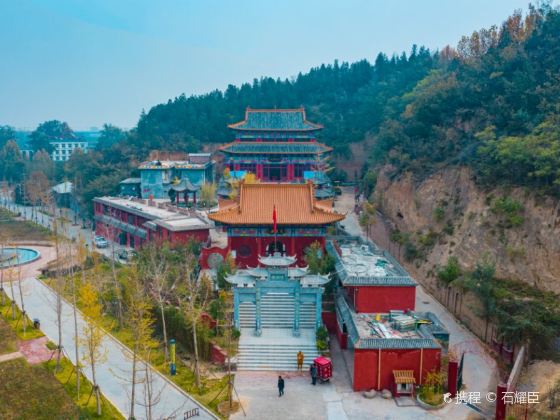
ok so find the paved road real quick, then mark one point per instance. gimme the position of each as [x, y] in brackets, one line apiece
[111, 373]
[67, 228]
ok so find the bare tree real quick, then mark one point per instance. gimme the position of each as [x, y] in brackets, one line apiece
[94, 352]
[139, 319]
[23, 313]
[116, 284]
[156, 270]
[194, 296]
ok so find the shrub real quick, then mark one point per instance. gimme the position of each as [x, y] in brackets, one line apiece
[509, 210]
[439, 214]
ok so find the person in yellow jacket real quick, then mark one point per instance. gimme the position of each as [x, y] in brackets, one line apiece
[300, 358]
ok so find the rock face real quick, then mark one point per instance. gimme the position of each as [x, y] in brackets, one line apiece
[449, 209]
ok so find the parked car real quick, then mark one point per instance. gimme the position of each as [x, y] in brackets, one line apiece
[101, 242]
[126, 255]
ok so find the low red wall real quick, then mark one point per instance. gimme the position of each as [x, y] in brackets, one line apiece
[329, 320]
[217, 355]
[382, 299]
[206, 252]
[342, 337]
[366, 366]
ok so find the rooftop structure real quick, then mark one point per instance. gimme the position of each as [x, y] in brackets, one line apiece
[283, 120]
[361, 263]
[295, 205]
[393, 330]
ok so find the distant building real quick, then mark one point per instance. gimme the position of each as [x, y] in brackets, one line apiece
[130, 187]
[63, 195]
[301, 221]
[278, 145]
[133, 222]
[62, 149]
[385, 342]
[158, 177]
[22, 140]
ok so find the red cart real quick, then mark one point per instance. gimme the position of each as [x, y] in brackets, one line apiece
[324, 368]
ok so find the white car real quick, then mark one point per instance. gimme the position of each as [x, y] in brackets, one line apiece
[101, 242]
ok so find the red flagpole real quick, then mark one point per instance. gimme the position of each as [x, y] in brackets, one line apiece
[275, 226]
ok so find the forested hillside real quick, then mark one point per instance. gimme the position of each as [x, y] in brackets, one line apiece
[492, 103]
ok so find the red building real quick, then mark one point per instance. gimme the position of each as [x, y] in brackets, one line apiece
[385, 343]
[132, 222]
[301, 220]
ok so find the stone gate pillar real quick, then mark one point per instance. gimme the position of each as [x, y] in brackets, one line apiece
[236, 309]
[258, 312]
[297, 302]
[318, 309]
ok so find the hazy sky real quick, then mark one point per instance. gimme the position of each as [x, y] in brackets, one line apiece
[94, 61]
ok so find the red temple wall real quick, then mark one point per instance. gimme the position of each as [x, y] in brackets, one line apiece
[366, 366]
[382, 298]
[258, 246]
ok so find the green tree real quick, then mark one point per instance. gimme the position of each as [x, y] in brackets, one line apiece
[12, 165]
[7, 133]
[50, 131]
[110, 135]
[482, 283]
[318, 261]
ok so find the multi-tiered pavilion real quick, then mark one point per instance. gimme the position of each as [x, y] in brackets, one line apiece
[277, 145]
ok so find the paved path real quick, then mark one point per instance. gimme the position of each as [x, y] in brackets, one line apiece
[10, 356]
[111, 373]
[334, 400]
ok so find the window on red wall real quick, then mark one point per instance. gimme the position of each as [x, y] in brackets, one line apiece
[244, 251]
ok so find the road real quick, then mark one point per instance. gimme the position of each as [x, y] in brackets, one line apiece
[66, 227]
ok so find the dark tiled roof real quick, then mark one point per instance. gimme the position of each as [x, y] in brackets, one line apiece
[270, 147]
[275, 120]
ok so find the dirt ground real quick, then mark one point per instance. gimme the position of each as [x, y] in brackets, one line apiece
[541, 376]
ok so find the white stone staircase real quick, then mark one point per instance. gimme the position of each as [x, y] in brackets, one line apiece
[276, 349]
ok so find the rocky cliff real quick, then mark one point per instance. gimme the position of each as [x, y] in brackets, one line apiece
[448, 214]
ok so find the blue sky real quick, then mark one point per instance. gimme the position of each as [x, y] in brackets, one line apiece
[88, 62]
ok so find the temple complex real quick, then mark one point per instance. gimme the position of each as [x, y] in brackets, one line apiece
[248, 220]
[278, 145]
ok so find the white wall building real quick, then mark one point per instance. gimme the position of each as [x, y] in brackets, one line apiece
[63, 149]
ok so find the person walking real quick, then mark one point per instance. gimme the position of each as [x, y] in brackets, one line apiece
[313, 373]
[280, 386]
[300, 357]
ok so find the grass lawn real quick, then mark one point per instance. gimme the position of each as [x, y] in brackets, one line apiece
[7, 338]
[32, 392]
[88, 410]
[17, 324]
[17, 230]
